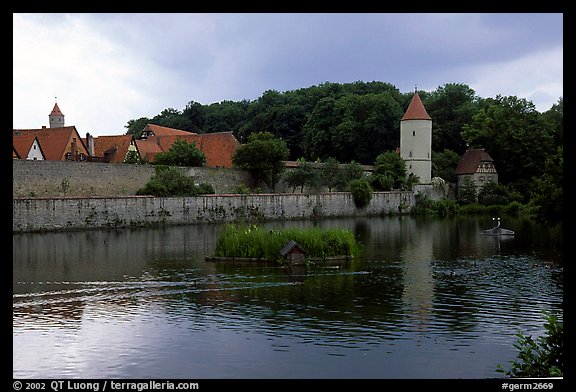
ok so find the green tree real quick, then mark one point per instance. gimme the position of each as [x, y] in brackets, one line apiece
[329, 174]
[181, 153]
[516, 136]
[305, 174]
[135, 127]
[467, 192]
[348, 173]
[169, 181]
[493, 193]
[263, 156]
[451, 106]
[444, 165]
[194, 114]
[548, 194]
[389, 164]
[361, 192]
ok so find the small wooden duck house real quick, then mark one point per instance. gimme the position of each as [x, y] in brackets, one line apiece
[293, 253]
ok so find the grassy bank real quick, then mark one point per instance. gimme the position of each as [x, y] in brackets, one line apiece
[257, 242]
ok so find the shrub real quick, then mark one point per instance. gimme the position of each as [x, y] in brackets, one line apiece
[170, 181]
[543, 357]
[361, 192]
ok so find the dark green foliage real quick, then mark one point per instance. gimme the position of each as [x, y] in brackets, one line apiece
[257, 242]
[442, 207]
[541, 357]
[493, 193]
[348, 173]
[330, 174]
[392, 165]
[172, 181]
[381, 182]
[548, 192]
[444, 165]
[263, 156]
[181, 153]
[304, 175]
[361, 192]
[467, 193]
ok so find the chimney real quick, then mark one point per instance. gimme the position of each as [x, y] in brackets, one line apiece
[90, 144]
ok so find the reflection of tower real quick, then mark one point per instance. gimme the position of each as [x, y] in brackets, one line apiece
[416, 140]
[417, 258]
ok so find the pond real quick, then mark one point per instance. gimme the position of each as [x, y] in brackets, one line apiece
[428, 298]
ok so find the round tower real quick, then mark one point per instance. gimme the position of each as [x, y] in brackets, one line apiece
[56, 118]
[416, 140]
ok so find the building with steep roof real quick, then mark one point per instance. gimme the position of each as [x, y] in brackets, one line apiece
[477, 166]
[57, 144]
[219, 147]
[112, 148]
[26, 146]
[416, 140]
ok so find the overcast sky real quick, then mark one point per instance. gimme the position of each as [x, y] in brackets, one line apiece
[106, 69]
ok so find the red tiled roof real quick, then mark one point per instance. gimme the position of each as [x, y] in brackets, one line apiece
[471, 160]
[416, 110]
[22, 143]
[219, 147]
[114, 148]
[147, 149]
[56, 111]
[55, 142]
[165, 131]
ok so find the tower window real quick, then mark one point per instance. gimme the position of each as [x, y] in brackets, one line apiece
[410, 154]
[413, 133]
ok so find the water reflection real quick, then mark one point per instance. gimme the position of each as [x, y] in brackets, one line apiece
[428, 298]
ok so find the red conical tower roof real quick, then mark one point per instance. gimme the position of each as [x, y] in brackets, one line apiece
[56, 111]
[416, 110]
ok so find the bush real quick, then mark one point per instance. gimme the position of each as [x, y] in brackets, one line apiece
[543, 357]
[170, 181]
[361, 192]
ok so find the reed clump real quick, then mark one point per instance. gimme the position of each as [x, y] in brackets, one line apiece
[261, 243]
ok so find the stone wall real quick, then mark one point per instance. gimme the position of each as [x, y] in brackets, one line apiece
[89, 179]
[53, 214]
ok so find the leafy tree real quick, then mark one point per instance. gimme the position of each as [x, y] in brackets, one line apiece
[391, 165]
[555, 119]
[516, 136]
[361, 192]
[181, 153]
[444, 165]
[452, 107]
[467, 193]
[194, 115]
[348, 173]
[305, 174]
[135, 127]
[493, 193]
[548, 194]
[330, 174]
[264, 157]
[171, 181]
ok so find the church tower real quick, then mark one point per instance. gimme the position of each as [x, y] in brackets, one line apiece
[416, 140]
[56, 118]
